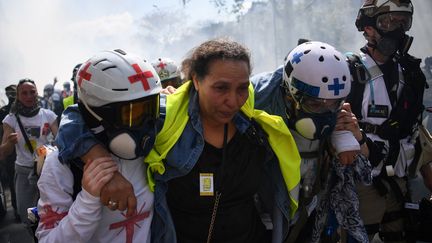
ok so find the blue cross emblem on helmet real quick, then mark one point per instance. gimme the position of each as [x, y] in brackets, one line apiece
[296, 57]
[336, 86]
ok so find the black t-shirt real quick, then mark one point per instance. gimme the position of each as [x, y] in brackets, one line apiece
[238, 179]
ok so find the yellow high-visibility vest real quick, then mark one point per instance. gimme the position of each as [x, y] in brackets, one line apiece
[68, 101]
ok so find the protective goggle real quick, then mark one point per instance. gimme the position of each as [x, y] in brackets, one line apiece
[391, 21]
[130, 114]
[319, 106]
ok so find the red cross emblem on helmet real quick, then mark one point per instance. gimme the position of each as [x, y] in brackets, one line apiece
[140, 76]
[161, 65]
[83, 74]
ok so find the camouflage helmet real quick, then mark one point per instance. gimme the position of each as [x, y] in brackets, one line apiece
[371, 9]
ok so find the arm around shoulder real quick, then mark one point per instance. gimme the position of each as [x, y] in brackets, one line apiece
[74, 139]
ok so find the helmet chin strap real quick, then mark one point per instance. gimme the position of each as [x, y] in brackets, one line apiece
[100, 119]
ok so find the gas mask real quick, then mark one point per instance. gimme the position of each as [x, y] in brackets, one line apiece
[129, 127]
[394, 41]
[131, 143]
[312, 118]
[392, 27]
[313, 126]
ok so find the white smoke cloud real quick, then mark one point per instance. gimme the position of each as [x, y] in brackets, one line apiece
[42, 39]
[47, 38]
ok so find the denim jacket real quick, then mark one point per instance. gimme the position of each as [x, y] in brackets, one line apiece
[74, 138]
[269, 94]
[180, 160]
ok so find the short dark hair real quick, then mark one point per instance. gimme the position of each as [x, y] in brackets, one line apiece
[199, 58]
[25, 80]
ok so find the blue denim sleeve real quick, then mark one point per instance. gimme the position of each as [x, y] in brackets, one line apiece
[269, 94]
[266, 86]
[74, 138]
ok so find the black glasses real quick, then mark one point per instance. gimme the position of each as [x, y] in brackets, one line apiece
[25, 80]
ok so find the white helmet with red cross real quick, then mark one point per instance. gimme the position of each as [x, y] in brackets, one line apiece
[166, 69]
[116, 76]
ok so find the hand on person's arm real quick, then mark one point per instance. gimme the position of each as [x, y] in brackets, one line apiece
[97, 173]
[74, 139]
[117, 189]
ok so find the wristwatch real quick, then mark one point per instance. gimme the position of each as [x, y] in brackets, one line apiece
[363, 138]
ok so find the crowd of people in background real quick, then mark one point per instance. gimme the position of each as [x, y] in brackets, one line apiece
[322, 149]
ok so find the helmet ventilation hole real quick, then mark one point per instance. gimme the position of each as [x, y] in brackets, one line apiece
[323, 47]
[337, 58]
[120, 51]
[344, 78]
[97, 62]
[306, 52]
[109, 67]
[321, 59]
[325, 79]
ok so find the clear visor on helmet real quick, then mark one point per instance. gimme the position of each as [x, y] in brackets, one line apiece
[319, 106]
[130, 114]
[394, 20]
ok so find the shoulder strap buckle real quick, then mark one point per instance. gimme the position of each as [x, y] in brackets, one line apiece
[358, 69]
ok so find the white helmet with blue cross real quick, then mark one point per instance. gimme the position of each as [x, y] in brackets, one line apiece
[317, 76]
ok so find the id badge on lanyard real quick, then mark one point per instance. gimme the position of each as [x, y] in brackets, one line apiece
[206, 184]
[379, 111]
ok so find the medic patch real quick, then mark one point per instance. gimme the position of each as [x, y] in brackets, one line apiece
[379, 111]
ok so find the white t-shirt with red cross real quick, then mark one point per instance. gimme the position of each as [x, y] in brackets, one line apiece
[86, 220]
